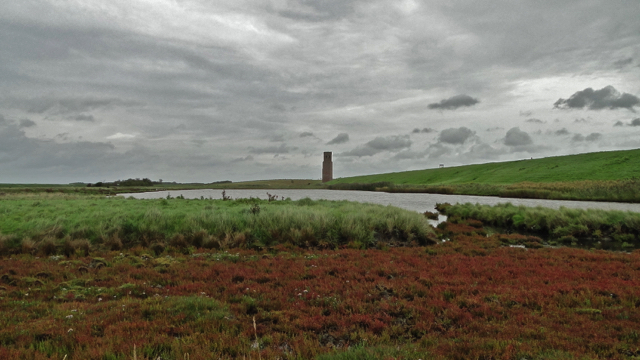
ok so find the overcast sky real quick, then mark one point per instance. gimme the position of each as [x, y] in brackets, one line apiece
[201, 90]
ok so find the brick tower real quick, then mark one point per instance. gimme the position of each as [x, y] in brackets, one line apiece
[327, 167]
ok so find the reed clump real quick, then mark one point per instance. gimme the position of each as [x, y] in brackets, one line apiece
[67, 226]
[563, 224]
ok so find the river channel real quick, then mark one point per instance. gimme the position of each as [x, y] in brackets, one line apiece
[414, 202]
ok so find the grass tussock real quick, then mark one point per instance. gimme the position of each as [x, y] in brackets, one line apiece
[66, 226]
[564, 225]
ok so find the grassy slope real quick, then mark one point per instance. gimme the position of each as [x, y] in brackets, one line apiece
[611, 165]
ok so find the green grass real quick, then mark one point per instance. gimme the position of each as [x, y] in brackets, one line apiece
[56, 220]
[604, 176]
[612, 165]
[563, 225]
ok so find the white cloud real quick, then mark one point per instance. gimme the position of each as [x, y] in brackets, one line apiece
[118, 136]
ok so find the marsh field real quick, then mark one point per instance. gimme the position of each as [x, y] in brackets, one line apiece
[89, 277]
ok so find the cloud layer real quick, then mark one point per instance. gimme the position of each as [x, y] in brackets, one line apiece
[195, 90]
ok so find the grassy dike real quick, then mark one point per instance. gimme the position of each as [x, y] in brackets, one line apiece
[603, 176]
[59, 223]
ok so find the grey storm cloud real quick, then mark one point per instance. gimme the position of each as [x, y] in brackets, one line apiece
[593, 137]
[71, 105]
[25, 123]
[340, 139]
[517, 137]
[380, 144]
[561, 132]
[535, 121]
[306, 134]
[454, 102]
[83, 117]
[455, 136]
[423, 130]
[634, 122]
[605, 98]
[623, 62]
[19, 151]
[282, 149]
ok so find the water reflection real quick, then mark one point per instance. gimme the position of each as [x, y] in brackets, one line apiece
[414, 202]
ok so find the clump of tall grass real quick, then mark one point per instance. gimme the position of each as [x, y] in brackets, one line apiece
[556, 224]
[57, 226]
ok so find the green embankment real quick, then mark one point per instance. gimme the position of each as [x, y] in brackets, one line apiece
[603, 176]
[612, 165]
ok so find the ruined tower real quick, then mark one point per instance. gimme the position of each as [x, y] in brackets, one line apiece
[327, 167]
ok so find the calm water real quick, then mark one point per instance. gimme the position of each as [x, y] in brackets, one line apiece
[415, 202]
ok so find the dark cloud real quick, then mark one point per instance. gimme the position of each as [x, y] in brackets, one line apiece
[306, 134]
[380, 144]
[455, 136]
[605, 98]
[577, 138]
[242, 159]
[517, 137]
[424, 130]
[71, 105]
[19, 151]
[561, 132]
[483, 151]
[454, 102]
[623, 62]
[25, 123]
[438, 150]
[83, 117]
[278, 107]
[634, 122]
[282, 149]
[526, 113]
[340, 139]
[277, 138]
[581, 121]
[409, 155]
[593, 137]
[535, 121]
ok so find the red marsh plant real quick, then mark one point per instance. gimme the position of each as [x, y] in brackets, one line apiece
[470, 297]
